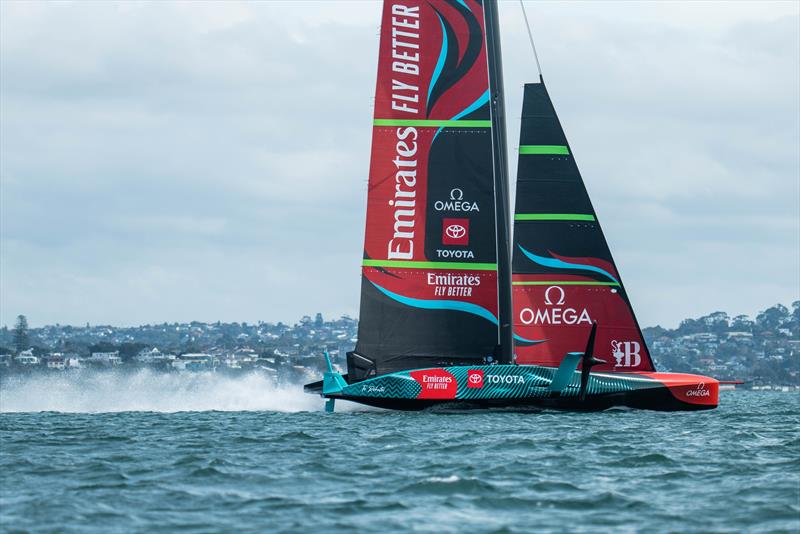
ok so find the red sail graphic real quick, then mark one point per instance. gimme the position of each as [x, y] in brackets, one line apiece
[562, 316]
[429, 286]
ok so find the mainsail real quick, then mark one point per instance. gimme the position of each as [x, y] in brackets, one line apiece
[429, 294]
[564, 277]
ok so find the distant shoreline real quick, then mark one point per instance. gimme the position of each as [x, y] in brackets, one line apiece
[763, 351]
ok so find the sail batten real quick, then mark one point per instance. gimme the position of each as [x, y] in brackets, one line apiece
[562, 283]
[553, 217]
[434, 123]
[544, 149]
[431, 265]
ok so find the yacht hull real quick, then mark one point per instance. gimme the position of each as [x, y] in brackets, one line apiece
[526, 387]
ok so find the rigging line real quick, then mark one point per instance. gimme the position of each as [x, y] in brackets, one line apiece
[530, 37]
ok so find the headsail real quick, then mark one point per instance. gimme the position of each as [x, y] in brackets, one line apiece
[429, 293]
[564, 277]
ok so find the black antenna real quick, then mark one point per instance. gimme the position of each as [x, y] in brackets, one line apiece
[530, 37]
[499, 156]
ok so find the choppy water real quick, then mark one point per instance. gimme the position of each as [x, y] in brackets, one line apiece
[733, 469]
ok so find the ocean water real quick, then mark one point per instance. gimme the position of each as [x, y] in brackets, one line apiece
[157, 453]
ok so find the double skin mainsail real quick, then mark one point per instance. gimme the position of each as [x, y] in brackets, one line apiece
[429, 291]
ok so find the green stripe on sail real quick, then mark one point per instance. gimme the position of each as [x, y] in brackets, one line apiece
[564, 283]
[556, 150]
[431, 265]
[430, 123]
[553, 217]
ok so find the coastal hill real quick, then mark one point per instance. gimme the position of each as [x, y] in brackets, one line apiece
[764, 350]
[760, 351]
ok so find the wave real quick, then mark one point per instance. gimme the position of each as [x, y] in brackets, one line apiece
[149, 391]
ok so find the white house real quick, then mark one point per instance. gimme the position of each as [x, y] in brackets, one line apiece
[194, 362]
[56, 361]
[106, 358]
[26, 357]
[149, 356]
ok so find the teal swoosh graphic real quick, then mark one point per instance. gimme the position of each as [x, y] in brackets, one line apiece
[484, 98]
[465, 5]
[456, 305]
[554, 263]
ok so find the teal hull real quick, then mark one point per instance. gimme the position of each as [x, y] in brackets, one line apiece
[523, 386]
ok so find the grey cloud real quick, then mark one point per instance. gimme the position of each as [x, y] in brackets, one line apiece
[165, 163]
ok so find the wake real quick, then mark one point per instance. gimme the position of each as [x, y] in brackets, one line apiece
[148, 391]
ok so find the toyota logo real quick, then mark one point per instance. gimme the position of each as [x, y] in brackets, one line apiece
[475, 378]
[455, 231]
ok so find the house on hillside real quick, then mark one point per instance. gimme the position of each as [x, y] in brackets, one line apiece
[26, 358]
[106, 359]
[56, 361]
[154, 357]
[194, 362]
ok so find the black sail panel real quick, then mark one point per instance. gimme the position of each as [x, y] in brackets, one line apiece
[564, 277]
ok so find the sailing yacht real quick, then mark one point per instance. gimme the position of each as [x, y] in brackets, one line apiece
[452, 311]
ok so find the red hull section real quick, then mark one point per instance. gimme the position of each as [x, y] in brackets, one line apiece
[690, 389]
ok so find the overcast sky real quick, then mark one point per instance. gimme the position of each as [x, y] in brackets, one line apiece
[202, 161]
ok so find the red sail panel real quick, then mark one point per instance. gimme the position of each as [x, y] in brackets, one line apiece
[561, 316]
[564, 277]
[429, 285]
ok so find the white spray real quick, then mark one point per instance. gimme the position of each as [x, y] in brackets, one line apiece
[97, 392]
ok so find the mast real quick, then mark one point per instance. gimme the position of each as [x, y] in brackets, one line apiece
[502, 208]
